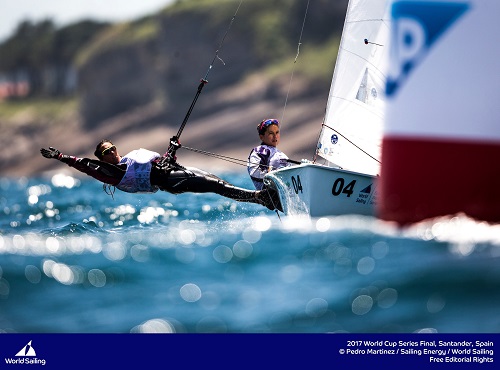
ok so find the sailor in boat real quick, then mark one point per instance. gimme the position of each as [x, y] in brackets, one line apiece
[266, 157]
[143, 171]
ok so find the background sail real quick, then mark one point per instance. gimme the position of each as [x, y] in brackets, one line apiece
[353, 124]
[442, 137]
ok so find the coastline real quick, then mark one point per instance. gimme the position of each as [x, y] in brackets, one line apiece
[230, 133]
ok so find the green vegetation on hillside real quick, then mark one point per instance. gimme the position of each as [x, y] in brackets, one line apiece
[39, 111]
[41, 55]
[121, 66]
[119, 35]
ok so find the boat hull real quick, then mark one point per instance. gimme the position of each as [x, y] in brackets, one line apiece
[319, 191]
[432, 184]
[441, 141]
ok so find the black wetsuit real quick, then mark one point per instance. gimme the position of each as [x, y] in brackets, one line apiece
[174, 179]
[177, 179]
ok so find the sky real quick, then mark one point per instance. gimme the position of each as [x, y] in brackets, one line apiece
[64, 12]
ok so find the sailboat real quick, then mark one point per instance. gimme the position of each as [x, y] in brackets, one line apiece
[349, 144]
[441, 140]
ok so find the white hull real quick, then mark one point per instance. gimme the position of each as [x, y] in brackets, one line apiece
[318, 191]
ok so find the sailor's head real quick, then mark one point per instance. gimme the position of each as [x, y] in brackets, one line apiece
[262, 127]
[106, 151]
[269, 132]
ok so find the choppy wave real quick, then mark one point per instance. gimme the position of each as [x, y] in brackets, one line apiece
[73, 259]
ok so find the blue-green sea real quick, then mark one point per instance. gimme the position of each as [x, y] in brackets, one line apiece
[76, 260]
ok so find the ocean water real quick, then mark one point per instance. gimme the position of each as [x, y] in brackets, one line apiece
[76, 260]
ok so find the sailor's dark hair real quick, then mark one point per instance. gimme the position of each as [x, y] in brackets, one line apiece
[98, 151]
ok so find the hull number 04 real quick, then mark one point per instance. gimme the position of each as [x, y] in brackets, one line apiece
[339, 187]
[297, 186]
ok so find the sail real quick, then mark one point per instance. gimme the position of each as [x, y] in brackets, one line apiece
[442, 134]
[353, 124]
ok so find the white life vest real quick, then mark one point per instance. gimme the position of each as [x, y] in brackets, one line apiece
[260, 159]
[137, 176]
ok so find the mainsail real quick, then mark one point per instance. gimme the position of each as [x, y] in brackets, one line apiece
[353, 125]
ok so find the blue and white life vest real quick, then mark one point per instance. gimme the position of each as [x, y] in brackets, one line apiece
[260, 159]
[137, 176]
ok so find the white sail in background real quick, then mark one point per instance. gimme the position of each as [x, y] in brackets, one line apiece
[353, 125]
[441, 140]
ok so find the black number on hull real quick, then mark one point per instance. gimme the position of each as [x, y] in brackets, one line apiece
[339, 188]
[297, 186]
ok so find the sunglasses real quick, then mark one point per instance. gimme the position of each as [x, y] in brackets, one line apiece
[266, 123]
[108, 150]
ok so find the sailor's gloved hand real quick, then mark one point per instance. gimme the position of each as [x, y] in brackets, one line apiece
[50, 153]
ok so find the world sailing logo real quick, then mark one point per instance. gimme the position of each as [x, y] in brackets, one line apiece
[26, 356]
[416, 26]
[27, 350]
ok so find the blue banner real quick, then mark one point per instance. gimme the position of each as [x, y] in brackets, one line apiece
[64, 351]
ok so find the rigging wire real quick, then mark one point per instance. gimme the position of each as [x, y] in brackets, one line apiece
[294, 62]
[216, 56]
[241, 162]
[356, 146]
[204, 81]
[174, 141]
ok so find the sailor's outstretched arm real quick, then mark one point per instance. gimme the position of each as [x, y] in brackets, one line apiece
[99, 170]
